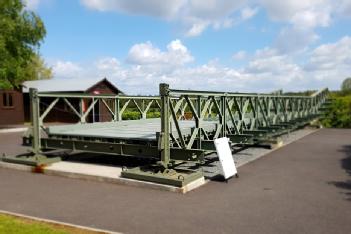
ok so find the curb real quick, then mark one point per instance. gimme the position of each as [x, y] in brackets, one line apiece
[10, 130]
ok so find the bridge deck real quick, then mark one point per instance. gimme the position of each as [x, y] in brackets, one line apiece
[129, 129]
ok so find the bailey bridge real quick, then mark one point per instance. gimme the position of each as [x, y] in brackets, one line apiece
[178, 142]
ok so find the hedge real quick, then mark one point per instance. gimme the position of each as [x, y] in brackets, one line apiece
[338, 115]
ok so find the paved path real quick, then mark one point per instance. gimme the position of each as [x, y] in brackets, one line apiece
[304, 187]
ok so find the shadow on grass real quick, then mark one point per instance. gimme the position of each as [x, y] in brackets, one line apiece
[346, 165]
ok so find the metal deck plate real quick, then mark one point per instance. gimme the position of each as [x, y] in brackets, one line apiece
[143, 129]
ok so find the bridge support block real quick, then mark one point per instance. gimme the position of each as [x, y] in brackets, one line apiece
[173, 177]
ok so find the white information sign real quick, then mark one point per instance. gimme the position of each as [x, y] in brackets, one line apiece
[225, 157]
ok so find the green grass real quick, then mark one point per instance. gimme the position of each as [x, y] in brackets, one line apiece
[9, 225]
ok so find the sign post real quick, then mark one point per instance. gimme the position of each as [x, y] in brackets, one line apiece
[225, 157]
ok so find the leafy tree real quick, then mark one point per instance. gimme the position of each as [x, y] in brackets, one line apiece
[21, 32]
[37, 70]
[338, 113]
[346, 85]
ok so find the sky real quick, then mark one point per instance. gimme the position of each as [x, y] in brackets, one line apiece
[223, 45]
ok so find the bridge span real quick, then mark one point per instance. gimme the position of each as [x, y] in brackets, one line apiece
[178, 142]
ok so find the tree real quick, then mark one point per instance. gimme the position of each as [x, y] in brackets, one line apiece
[346, 85]
[21, 32]
[338, 113]
[37, 69]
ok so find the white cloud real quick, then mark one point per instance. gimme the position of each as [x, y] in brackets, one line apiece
[311, 18]
[197, 28]
[110, 65]
[144, 53]
[32, 4]
[331, 62]
[240, 55]
[147, 54]
[301, 18]
[198, 15]
[66, 69]
[212, 9]
[345, 7]
[195, 15]
[326, 65]
[268, 69]
[159, 8]
[274, 68]
[248, 12]
[107, 63]
[295, 40]
[285, 10]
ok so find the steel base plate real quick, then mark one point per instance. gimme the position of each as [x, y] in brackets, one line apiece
[33, 160]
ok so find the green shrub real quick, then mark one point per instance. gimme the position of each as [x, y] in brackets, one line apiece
[153, 115]
[133, 115]
[338, 115]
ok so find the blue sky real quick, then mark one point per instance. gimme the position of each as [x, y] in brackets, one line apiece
[241, 45]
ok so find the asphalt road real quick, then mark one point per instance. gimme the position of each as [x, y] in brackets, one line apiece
[304, 187]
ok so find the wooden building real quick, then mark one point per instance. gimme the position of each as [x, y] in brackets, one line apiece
[15, 104]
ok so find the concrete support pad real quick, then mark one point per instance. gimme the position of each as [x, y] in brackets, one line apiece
[99, 173]
[110, 174]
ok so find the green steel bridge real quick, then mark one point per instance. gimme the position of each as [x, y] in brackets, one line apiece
[184, 134]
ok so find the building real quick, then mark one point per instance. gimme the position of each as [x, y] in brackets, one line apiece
[15, 104]
[11, 107]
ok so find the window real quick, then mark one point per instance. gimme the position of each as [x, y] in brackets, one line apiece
[7, 100]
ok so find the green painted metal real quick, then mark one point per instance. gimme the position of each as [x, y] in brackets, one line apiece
[36, 157]
[152, 173]
[190, 121]
[136, 150]
[35, 119]
[31, 160]
[164, 137]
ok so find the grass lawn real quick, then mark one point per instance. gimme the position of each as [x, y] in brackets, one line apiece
[16, 225]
